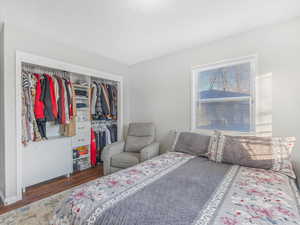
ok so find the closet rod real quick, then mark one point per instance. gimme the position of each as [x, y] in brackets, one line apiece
[101, 80]
[96, 122]
[27, 67]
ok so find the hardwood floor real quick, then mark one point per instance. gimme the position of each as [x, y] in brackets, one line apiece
[46, 189]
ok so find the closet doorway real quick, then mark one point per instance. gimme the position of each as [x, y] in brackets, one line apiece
[91, 74]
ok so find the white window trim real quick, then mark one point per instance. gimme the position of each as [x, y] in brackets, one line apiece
[194, 89]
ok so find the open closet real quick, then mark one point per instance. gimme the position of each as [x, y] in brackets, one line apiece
[67, 115]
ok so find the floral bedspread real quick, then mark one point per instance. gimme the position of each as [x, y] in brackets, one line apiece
[259, 196]
[245, 196]
[84, 200]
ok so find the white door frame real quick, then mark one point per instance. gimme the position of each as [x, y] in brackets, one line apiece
[23, 57]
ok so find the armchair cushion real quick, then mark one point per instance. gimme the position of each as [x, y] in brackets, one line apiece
[125, 159]
[135, 144]
[139, 136]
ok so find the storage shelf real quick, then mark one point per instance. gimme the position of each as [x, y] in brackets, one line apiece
[81, 157]
[83, 98]
[56, 137]
[80, 86]
[104, 122]
[83, 109]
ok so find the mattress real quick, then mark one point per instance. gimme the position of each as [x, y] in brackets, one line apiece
[180, 189]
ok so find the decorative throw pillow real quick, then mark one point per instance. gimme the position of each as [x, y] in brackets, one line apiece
[272, 153]
[213, 146]
[192, 143]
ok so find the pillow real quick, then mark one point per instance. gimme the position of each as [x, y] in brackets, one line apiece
[272, 153]
[192, 143]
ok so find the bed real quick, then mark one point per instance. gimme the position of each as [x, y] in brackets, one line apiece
[181, 189]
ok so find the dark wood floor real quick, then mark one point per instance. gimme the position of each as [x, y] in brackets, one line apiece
[43, 190]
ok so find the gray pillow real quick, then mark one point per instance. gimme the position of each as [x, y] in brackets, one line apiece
[192, 143]
[272, 153]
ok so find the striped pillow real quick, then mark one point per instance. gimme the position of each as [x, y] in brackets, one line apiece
[272, 153]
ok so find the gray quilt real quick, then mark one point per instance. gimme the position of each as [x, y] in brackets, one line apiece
[175, 198]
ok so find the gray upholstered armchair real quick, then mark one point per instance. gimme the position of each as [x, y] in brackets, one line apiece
[138, 147]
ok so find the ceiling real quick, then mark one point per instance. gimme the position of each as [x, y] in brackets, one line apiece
[131, 31]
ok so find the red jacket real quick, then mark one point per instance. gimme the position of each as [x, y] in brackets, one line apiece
[53, 97]
[93, 148]
[38, 103]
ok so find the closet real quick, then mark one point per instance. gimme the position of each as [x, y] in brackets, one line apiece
[67, 115]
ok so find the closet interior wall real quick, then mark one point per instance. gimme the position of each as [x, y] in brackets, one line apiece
[67, 146]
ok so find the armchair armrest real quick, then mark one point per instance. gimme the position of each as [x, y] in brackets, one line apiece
[108, 152]
[149, 151]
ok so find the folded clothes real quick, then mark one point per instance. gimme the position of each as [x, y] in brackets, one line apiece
[81, 105]
[81, 93]
[82, 83]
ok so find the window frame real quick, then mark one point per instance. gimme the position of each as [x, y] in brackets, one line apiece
[252, 59]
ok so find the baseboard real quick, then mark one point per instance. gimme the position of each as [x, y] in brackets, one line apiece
[10, 200]
[2, 196]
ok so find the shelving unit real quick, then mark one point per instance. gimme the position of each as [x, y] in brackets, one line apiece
[83, 133]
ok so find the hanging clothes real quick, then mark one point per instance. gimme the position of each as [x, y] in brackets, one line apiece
[104, 135]
[30, 130]
[47, 98]
[104, 100]
[53, 96]
[56, 90]
[39, 107]
[61, 102]
[38, 103]
[99, 103]
[93, 149]
[37, 135]
[113, 132]
[26, 133]
[107, 136]
[69, 130]
[72, 97]
[67, 101]
[41, 123]
[114, 102]
[93, 98]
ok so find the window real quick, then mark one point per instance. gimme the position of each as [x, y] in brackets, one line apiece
[223, 96]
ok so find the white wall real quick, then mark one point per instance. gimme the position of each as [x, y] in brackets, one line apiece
[160, 88]
[19, 39]
[2, 174]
